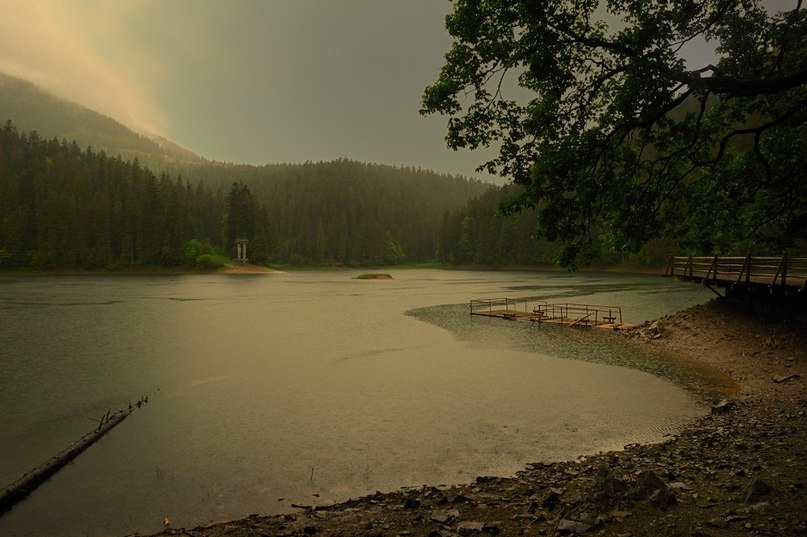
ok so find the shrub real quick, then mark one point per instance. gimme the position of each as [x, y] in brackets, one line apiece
[208, 261]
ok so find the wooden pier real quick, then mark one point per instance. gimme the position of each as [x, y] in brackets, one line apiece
[781, 275]
[563, 314]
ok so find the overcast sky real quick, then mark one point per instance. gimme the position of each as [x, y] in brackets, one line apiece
[250, 81]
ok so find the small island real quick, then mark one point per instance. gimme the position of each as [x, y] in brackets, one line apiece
[373, 276]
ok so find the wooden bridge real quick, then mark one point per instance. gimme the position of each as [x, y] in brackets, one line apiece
[779, 275]
[566, 314]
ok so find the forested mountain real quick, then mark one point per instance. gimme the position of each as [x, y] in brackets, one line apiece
[64, 207]
[31, 108]
[477, 234]
[61, 206]
[128, 200]
[347, 212]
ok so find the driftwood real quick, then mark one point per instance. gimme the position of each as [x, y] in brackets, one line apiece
[785, 378]
[31, 480]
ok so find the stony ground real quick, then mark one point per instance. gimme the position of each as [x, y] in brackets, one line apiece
[738, 471]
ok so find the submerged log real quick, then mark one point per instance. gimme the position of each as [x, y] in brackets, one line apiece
[31, 480]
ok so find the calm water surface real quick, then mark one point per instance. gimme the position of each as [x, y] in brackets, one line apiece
[310, 387]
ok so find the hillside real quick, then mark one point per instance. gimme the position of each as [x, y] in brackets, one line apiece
[334, 213]
[31, 108]
[347, 212]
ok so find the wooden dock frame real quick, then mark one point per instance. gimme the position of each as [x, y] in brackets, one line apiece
[563, 314]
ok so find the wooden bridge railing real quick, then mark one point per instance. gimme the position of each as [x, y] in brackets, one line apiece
[577, 313]
[491, 303]
[540, 311]
[782, 271]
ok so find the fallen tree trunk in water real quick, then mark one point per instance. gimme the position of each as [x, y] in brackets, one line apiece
[31, 480]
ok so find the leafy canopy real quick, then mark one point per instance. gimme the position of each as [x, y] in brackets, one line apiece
[615, 138]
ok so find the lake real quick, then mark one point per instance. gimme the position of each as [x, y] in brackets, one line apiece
[312, 387]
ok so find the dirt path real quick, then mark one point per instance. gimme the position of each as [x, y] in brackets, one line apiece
[738, 471]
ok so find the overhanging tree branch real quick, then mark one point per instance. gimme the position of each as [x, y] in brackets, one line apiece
[619, 132]
[746, 88]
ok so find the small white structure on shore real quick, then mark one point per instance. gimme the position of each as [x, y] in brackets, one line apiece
[241, 247]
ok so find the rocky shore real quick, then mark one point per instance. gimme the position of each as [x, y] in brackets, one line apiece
[738, 471]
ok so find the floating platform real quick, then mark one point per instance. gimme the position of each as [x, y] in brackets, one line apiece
[565, 314]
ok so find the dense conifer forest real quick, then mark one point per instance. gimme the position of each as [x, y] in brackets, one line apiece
[347, 212]
[64, 207]
[478, 234]
[130, 201]
[133, 201]
[61, 206]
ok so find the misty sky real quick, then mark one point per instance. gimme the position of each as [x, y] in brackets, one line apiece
[251, 81]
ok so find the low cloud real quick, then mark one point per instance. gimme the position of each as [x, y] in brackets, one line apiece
[84, 52]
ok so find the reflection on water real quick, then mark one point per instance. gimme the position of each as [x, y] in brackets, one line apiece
[309, 387]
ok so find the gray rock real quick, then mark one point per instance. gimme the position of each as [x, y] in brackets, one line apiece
[662, 498]
[551, 501]
[679, 485]
[649, 480]
[469, 527]
[444, 516]
[493, 528]
[654, 489]
[755, 490]
[567, 526]
[722, 406]
[607, 485]
[760, 507]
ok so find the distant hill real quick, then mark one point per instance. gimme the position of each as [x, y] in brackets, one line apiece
[341, 212]
[344, 211]
[61, 207]
[31, 108]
